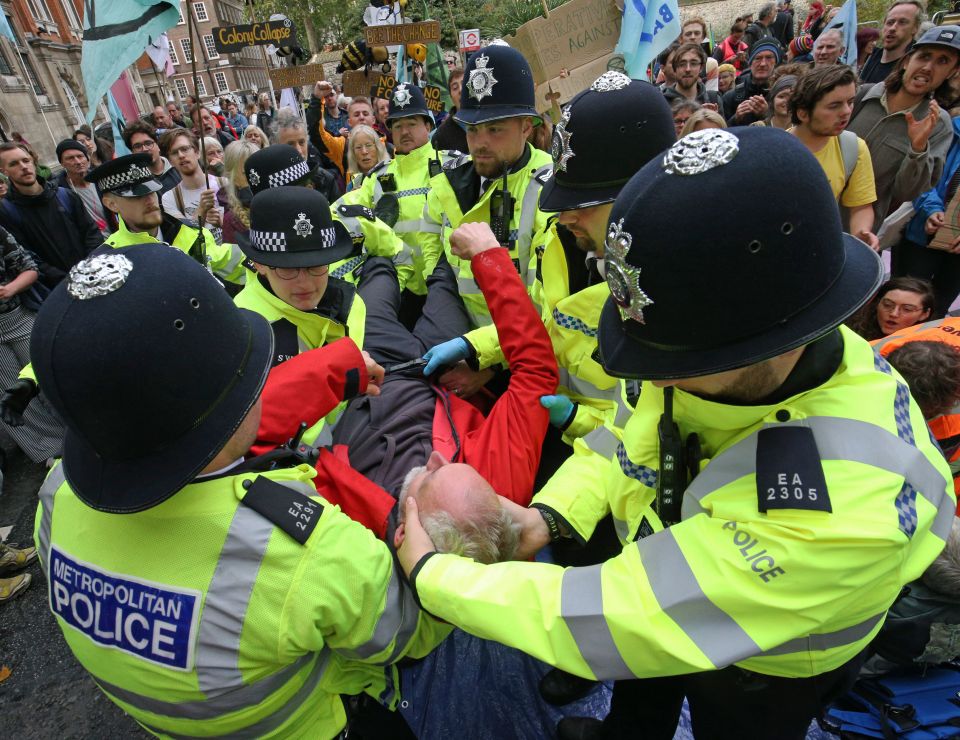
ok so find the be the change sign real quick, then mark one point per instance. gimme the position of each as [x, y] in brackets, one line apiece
[228, 39]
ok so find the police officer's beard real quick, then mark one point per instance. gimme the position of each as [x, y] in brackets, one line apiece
[751, 386]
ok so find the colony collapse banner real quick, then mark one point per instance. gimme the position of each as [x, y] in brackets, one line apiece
[228, 39]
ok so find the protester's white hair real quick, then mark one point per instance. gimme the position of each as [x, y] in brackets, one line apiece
[943, 575]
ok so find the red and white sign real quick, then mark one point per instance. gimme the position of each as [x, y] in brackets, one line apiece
[470, 39]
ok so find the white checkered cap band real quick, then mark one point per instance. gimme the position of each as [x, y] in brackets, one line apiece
[288, 175]
[133, 175]
[276, 241]
[269, 241]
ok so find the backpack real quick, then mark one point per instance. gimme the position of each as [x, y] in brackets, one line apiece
[850, 151]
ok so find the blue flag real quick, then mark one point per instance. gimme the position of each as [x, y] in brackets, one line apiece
[846, 22]
[5, 29]
[115, 34]
[647, 29]
[118, 124]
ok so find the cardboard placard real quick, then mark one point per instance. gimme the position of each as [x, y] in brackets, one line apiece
[228, 39]
[358, 82]
[425, 32]
[386, 83]
[574, 82]
[947, 234]
[305, 74]
[434, 96]
[575, 34]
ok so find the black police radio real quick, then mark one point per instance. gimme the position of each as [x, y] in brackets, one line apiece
[501, 212]
[679, 463]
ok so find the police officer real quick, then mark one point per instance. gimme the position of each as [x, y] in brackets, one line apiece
[816, 492]
[397, 190]
[281, 165]
[205, 598]
[500, 181]
[292, 242]
[128, 188]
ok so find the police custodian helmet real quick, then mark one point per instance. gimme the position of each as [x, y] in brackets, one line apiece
[605, 134]
[151, 367]
[497, 83]
[689, 299]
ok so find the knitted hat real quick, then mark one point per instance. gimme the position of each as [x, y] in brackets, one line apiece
[782, 83]
[766, 44]
[801, 44]
[68, 144]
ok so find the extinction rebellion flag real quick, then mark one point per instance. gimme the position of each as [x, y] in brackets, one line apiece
[115, 34]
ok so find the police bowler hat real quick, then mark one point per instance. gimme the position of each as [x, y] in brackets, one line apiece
[293, 227]
[128, 176]
[151, 376]
[605, 134]
[275, 166]
[689, 299]
[497, 83]
[407, 101]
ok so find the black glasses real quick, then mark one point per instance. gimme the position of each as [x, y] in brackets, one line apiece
[289, 273]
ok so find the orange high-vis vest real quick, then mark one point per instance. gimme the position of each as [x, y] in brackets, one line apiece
[945, 428]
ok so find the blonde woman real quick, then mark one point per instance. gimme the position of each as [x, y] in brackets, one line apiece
[256, 135]
[701, 119]
[237, 219]
[365, 151]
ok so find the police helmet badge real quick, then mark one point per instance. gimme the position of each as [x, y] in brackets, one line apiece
[302, 226]
[402, 96]
[481, 80]
[560, 148]
[253, 178]
[610, 81]
[98, 276]
[701, 151]
[623, 279]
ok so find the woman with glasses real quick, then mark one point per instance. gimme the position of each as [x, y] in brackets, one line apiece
[364, 152]
[900, 303]
[292, 241]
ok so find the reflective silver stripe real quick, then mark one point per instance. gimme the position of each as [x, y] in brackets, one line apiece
[928, 325]
[837, 439]
[624, 410]
[207, 709]
[226, 602]
[712, 630]
[324, 437]
[377, 190]
[623, 531]
[528, 214]
[581, 606]
[829, 640]
[54, 480]
[602, 441]
[399, 611]
[272, 722]
[302, 345]
[236, 257]
[467, 285]
[410, 225]
[584, 387]
[352, 223]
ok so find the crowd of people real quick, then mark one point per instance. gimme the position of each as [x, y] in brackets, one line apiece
[403, 375]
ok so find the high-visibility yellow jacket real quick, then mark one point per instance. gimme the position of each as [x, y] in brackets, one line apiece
[452, 202]
[201, 617]
[748, 577]
[340, 314]
[377, 239]
[226, 260]
[410, 175]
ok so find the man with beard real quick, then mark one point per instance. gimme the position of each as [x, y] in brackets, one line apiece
[820, 108]
[900, 26]
[907, 132]
[129, 189]
[140, 136]
[193, 199]
[688, 61]
[498, 184]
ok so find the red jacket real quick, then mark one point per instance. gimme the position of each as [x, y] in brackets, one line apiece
[504, 447]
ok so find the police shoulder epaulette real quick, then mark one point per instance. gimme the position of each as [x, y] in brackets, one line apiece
[379, 166]
[291, 510]
[356, 211]
[545, 174]
[789, 469]
[456, 161]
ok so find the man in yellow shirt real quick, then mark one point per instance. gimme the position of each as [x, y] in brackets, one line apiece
[820, 107]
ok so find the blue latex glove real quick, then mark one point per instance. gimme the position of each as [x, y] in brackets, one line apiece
[561, 409]
[448, 353]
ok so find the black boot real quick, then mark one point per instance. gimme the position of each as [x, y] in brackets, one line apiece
[579, 728]
[559, 687]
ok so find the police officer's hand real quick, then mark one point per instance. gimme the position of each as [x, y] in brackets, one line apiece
[533, 530]
[374, 375]
[14, 401]
[411, 539]
[469, 240]
[449, 353]
[561, 409]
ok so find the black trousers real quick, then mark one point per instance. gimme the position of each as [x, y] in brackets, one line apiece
[939, 267]
[385, 337]
[729, 703]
